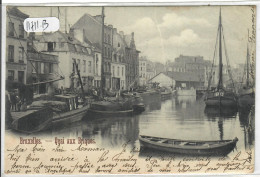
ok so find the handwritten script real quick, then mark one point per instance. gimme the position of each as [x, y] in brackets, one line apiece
[83, 156]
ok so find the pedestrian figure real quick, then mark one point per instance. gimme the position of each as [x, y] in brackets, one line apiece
[18, 103]
[13, 101]
[23, 105]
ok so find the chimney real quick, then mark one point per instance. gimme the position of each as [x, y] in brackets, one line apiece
[115, 30]
[121, 33]
[133, 35]
[110, 26]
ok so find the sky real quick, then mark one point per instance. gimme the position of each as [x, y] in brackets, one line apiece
[164, 33]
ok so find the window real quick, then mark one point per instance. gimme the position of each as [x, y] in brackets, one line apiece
[11, 53]
[89, 66]
[118, 44]
[114, 57]
[21, 31]
[105, 38]
[96, 64]
[108, 39]
[105, 51]
[50, 46]
[42, 68]
[84, 66]
[73, 65]
[122, 71]
[113, 71]
[50, 68]
[118, 71]
[11, 29]
[21, 76]
[33, 67]
[10, 75]
[21, 54]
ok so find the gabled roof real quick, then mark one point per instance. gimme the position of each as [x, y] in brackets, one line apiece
[16, 12]
[83, 21]
[74, 45]
[183, 76]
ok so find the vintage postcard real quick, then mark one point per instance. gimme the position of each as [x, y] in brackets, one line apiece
[129, 90]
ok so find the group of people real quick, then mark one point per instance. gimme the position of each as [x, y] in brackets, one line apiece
[16, 102]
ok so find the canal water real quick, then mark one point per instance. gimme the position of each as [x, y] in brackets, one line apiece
[178, 118]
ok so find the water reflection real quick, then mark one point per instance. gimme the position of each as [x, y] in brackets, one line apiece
[176, 118]
[223, 112]
[246, 118]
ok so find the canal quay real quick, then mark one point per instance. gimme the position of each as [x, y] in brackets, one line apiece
[94, 81]
[179, 117]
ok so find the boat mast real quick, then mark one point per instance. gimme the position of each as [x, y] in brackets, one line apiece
[102, 58]
[220, 82]
[247, 67]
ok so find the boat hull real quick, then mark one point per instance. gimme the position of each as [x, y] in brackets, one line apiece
[34, 121]
[70, 116]
[92, 113]
[149, 95]
[246, 101]
[221, 102]
[215, 150]
[165, 96]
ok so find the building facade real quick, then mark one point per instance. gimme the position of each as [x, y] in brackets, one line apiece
[91, 27]
[142, 71]
[70, 52]
[190, 64]
[132, 61]
[16, 46]
[178, 80]
[42, 68]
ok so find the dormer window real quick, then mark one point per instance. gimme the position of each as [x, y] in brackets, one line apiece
[50, 46]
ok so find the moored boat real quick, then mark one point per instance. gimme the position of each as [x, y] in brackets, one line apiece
[32, 120]
[220, 96]
[73, 112]
[189, 147]
[107, 108]
[246, 97]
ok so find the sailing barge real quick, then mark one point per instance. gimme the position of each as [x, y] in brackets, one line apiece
[220, 96]
[189, 147]
[247, 94]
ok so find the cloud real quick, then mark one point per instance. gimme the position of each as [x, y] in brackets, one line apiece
[172, 20]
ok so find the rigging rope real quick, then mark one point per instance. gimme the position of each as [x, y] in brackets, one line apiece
[213, 63]
[227, 59]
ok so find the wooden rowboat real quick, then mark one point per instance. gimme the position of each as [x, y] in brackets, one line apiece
[189, 147]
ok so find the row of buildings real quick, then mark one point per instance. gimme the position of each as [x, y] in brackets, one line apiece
[32, 58]
[187, 72]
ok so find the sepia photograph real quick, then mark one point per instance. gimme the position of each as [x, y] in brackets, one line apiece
[129, 89]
